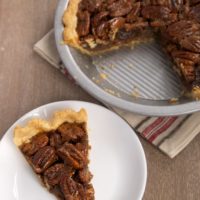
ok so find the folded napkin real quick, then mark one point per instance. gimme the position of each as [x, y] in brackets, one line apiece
[169, 134]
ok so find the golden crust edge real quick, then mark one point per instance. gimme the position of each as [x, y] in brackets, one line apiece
[70, 35]
[35, 126]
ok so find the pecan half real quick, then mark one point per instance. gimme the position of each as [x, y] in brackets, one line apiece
[83, 23]
[191, 43]
[72, 156]
[182, 29]
[52, 175]
[71, 132]
[120, 8]
[84, 175]
[69, 188]
[36, 143]
[45, 157]
[55, 140]
[195, 57]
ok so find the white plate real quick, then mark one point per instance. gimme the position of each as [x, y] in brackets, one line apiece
[117, 158]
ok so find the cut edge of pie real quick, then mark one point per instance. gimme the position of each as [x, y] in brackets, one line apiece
[57, 150]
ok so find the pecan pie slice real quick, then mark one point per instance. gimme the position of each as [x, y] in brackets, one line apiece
[97, 26]
[57, 151]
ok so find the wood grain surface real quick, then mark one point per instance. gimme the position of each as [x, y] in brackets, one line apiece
[27, 81]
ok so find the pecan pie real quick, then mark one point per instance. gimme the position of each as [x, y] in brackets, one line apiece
[57, 151]
[97, 26]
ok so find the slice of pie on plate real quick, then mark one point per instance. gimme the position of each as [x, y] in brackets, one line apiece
[98, 26]
[57, 150]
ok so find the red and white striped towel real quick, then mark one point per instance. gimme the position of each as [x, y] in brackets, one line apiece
[169, 134]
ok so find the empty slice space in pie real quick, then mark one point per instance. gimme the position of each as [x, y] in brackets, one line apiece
[57, 151]
[97, 26]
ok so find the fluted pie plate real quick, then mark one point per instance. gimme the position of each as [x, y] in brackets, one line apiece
[117, 160]
[139, 79]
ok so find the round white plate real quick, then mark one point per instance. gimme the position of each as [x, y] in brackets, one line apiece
[117, 158]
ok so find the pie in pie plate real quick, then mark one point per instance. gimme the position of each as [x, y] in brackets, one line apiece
[151, 69]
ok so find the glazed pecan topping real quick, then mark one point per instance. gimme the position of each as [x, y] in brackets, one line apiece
[45, 157]
[72, 156]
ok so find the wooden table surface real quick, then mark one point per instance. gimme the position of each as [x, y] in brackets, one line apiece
[27, 81]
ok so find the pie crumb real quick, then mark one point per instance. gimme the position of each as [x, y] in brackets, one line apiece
[173, 100]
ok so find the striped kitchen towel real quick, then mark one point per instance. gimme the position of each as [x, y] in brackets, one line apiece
[169, 134]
